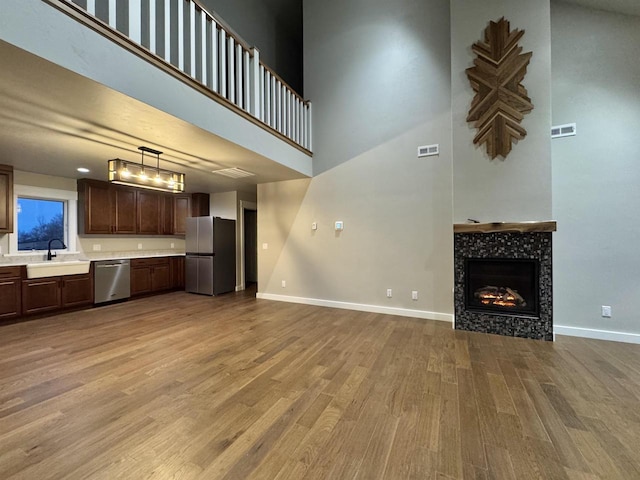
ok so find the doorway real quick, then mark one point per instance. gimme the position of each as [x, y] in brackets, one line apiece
[250, 248]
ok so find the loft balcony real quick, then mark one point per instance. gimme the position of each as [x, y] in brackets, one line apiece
[95, 79]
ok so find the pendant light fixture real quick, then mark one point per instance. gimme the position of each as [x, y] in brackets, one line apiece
[124, 172]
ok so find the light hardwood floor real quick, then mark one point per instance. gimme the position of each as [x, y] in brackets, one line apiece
[191, 387]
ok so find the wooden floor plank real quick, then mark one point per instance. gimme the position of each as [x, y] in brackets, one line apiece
[185, 387]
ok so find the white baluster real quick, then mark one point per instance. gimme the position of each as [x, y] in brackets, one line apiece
[203, 42]
[231, 44]
[192, 39]
[309, 129]
[279, 96]
[239, 75]
[246, 81]
[112, 14]
[91, 7]
[181, 35]
[167, 30]
[274, 100]
[222, 49]
[261, 96]
[304, 126]
[214, 56]
[267, 97]
[152, 26]
[135, 22]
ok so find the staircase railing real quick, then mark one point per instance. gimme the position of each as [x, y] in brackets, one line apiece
[185, 35]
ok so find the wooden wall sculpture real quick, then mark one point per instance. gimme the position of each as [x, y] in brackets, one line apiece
[501, 101]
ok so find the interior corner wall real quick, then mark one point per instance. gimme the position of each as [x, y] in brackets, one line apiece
[596, 173]
[517, 188]
[379, 75]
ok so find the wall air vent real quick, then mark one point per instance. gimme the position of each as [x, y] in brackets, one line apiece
[567, 130]
[234, 173]
[428, 150]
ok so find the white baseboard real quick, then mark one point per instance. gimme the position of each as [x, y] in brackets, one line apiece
[597, 334]
[239, 288]
[403, 312]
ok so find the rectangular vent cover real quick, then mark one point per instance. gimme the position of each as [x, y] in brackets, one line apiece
[428, 150]
[567, 130]
[234, 173]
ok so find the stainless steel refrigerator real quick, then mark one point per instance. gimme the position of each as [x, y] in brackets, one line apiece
[211, 255]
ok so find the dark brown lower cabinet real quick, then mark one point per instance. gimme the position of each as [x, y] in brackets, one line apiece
[10, 297]
[41, 295]
[177, 273]
[48, 294]
[150, 275]
[77, 290]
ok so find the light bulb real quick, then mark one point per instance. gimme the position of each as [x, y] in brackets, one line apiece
[124, 172]
[158, 179]
[143, 175]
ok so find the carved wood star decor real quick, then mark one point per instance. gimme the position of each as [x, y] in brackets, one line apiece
[501, 101]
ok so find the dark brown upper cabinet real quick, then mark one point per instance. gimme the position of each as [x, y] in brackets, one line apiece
[6, 199]
[104, 208]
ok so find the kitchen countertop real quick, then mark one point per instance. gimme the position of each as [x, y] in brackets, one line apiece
[12, 260]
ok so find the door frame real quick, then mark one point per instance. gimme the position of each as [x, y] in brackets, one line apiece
[244, 205]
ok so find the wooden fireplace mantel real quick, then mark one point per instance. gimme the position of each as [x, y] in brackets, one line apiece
[519, 227]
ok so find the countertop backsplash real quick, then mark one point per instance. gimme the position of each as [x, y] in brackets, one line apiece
[6, 260]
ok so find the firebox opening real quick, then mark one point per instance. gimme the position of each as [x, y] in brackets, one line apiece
[505, 286]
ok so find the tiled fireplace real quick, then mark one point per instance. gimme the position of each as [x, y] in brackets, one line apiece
[503, 278]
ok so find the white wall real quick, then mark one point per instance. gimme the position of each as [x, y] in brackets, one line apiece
[517, 188]
[596, 83]
[379, 75]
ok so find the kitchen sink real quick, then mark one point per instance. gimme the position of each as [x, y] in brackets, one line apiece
[56, 269]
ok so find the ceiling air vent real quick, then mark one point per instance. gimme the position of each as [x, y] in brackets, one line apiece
[567, 130]
[234, 173]
[428, 150]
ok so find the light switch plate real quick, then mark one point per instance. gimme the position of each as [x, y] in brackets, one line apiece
[339, 225]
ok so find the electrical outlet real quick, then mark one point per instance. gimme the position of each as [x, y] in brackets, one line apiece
[139, 246]
[97, 247]
[284, 283]
[314, 226]
[606, 311]
[414, 295]
[265, 246]
[173, 245]
[389, 293]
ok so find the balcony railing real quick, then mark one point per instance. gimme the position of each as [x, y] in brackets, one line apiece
[181, 33]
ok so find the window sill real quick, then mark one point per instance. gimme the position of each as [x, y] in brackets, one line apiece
[33, 253]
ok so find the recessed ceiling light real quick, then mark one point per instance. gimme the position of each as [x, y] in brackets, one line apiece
[83, 170]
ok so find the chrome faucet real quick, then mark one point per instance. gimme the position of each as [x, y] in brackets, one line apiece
[51, 255]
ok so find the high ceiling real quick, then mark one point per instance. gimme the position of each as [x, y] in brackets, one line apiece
[53, 121]
[628, 7]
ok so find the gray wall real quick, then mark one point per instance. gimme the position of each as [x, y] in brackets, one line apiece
[517, 188]
[596, 83]
[379, 75]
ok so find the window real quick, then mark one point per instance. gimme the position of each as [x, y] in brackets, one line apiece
[39, 220]
[36, 206]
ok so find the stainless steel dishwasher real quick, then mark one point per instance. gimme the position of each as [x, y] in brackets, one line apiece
[112, 280]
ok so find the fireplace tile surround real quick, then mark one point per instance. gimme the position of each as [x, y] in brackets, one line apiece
[512, 241]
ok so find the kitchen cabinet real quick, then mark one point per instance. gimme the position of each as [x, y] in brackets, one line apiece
[10, 292]
[180, 214]
[49, 294]
[105, 209]
[177, 272]
[150, 275]
[6, 199]
[149, 212]
[199, 204]
[41, 295]
[77, 290]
